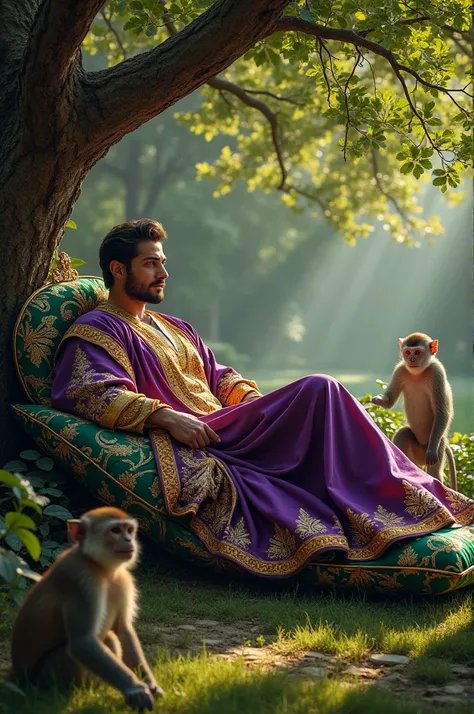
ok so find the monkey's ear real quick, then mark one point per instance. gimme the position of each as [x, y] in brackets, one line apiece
[400, 342]
[75, 529]
[434, 347]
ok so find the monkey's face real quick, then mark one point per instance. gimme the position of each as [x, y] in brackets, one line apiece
[121, 539]
[416, 358]
[111, 542]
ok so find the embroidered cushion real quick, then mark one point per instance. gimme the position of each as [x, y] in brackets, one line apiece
[40, 327]
[120, 469]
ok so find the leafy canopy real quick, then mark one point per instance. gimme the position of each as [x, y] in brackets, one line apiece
[348, 105]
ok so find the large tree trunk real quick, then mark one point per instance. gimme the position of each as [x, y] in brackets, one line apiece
[57, 121]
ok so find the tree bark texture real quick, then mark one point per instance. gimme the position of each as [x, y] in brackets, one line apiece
[57, 121]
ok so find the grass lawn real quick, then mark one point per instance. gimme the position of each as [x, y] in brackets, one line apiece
[221, 647]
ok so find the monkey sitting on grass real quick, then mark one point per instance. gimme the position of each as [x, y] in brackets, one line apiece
[428, 402]
[79, 616]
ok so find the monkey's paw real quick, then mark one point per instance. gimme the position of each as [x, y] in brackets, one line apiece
[431, 457]
[155, 689]
[139, 697]
[380, 400]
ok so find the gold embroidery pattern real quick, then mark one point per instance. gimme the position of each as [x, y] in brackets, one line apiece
[408, 556]
[306, 526]
[384, 537]
[136, 412]
[201, 477]
[69, 432]
[458, 502]
[128, 480]
[361, 527]
[101, 339]
[155, 488]
[183, 368]
[238, 534]
[105, 494]
[337, 526]
[282, 543]
[232, 387]
[418, 501]
[93, 399]
[217, 514]
[39, 341]
[387, 518]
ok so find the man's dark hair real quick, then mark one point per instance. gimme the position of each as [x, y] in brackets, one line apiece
[121, 244]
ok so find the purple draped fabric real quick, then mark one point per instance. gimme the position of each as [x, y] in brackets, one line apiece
[298, 471]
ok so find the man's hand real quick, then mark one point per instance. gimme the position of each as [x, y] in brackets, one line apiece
[184, 427]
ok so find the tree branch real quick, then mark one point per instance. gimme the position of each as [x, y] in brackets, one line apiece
[127, 95]
[384, 191]
[296, 24]
[224, 86]
[58, 31]
[275, 96]
[108, 22]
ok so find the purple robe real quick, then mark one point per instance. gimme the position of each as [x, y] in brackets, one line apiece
[298, 471]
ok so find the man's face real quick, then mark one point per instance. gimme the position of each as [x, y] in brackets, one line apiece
[146, 277]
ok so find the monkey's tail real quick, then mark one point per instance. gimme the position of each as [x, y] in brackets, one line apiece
[452, 468]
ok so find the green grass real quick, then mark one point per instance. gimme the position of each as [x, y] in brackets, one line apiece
[204, 685]
[431, 670]
[432, 631]
[359, 384]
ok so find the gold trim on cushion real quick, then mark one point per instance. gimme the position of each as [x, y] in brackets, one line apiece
[97, 337]
[17, 409]
[191, 389]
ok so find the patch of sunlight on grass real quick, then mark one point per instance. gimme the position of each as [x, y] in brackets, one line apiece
[206, 685]
[448, 636]
[431, 670]
[354, 627]
[325, 638]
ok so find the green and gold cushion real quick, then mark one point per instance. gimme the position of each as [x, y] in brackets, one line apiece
[41, 325]
[120, 469]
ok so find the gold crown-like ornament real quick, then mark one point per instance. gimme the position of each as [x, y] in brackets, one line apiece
[63, 271]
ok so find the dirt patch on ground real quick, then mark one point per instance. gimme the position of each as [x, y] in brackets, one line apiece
[244, 639]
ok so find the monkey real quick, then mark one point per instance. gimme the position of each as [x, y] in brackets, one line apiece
[428, 402]
[78, 618]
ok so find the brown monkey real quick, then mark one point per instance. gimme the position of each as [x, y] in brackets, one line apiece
[79, 616]
[428, 401]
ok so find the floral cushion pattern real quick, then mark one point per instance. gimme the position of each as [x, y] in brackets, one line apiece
[41, 326]
[120, 469]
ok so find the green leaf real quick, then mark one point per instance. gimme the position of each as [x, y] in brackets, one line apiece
[44, 529]
[15, 466]
[306, 16]
[51, 492]
[13, 541]
[8, 565]
[10, 479]
[15, 520]
[407, 168]
[30, 541]
[57, 512]
[151, 30]
[426, 163]
[28, 503]
[30, 455]
[440, 181]
[45, 463]
[77, 262]
[70, 224]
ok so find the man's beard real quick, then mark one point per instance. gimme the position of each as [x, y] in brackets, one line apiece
[137, 291]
